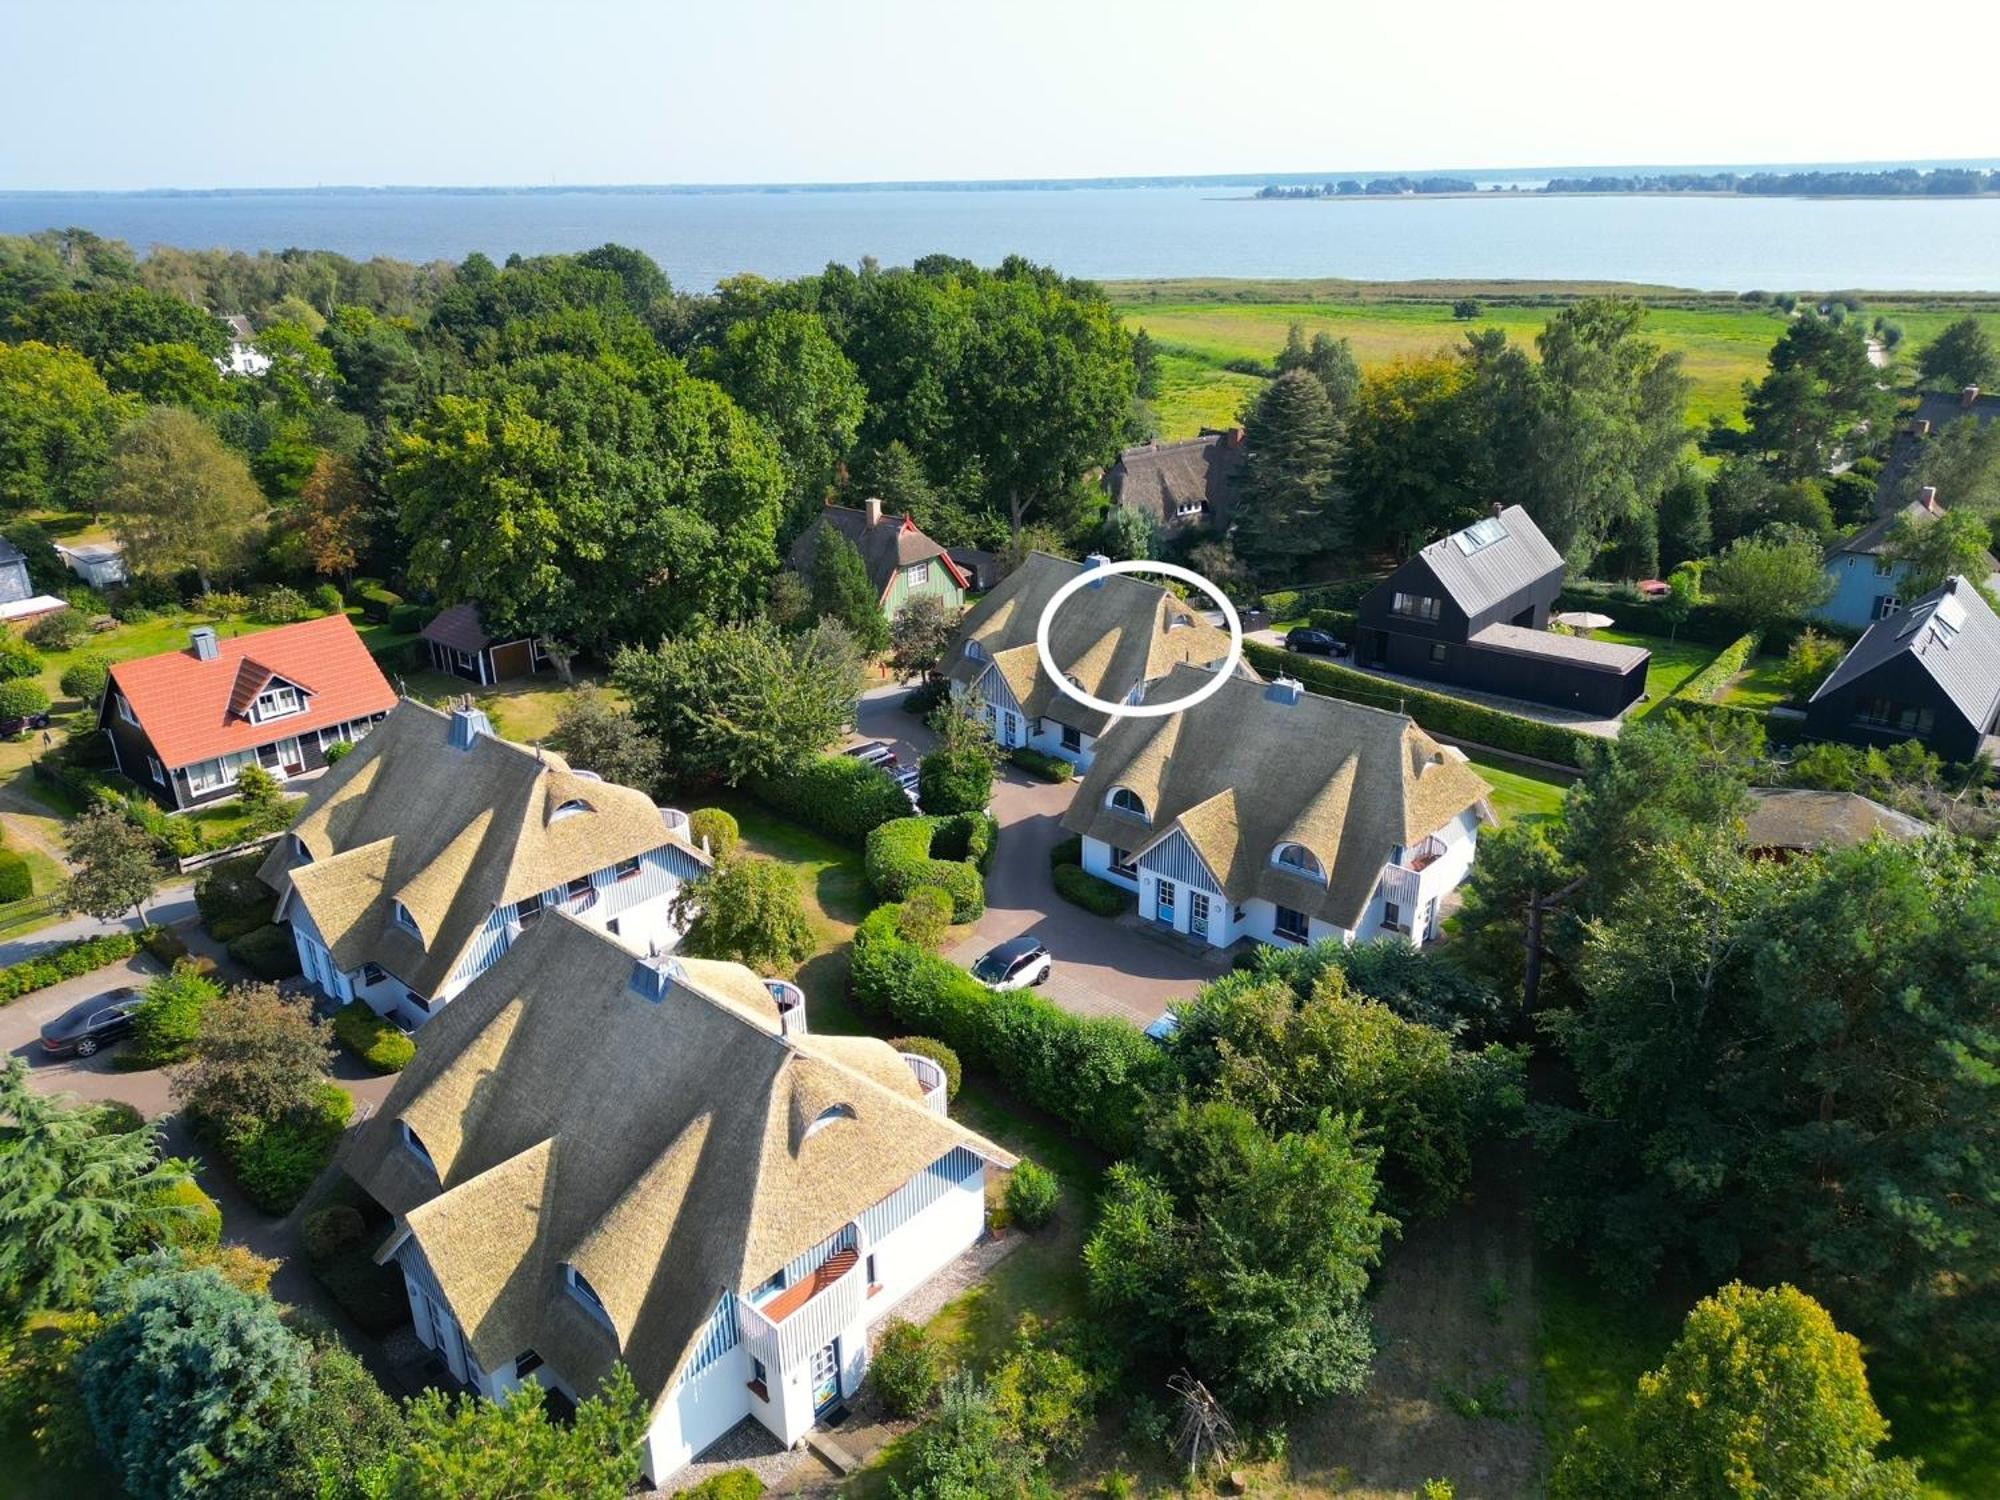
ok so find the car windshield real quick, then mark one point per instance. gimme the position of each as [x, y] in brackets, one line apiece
[77, 1016]
[991, 968]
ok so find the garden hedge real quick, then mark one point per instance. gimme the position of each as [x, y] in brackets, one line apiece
[378, 1043]
[1046, 767]
[1095, 1074]
[1707, 684]
[16, 882]
[376, 603]
[267, 951]
[836, 795]
[1452, 718]
[66, 962]
[168, 946]
[1340, 622]
[274, 1162]
[1068, 852]
[232, 900]
[408, 619]
[945, 852]
[1079, 887]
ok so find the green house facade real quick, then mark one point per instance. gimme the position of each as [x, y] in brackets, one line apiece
[902, 562]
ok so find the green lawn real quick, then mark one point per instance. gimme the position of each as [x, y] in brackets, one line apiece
[1674, 662]
[1758, 685]
[1521, 795]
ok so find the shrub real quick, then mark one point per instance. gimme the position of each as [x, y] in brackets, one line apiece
[267, 951]
[231, 899]
[373, 1296]
[899, 858]
[22, 699]
[116, 1117]
[730, 1484]
[376, 602]
[18, 659]
[408, 619]
[58, 632]
[326, 599]
[906, 1368]
[1068, 852]
[275, 1162]
[924, 700]
[1809, 662]
[835, 794]
[1043, 1395]
[84, 679]
[925, 916]
[956, 780]
[180, 1217]
[283, 605]
[325, 1232]
[227, 603]
[165, 944]
[1095, 1074]
[16, 882]
[1448, 717]
[67, 962]
[1343, 623]
[937, 1052]
[339, 750]
[748, 911]
[1079, 887]
[1045, 767]
[1031, 1195]
[718, 827]
[378, 1043]
[164, 1029]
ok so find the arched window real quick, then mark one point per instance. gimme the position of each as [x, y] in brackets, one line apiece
[407, 922]
[1125, 800]
[1299, 860]
[827, 1117]
[416, 1145]
[299, 848]
[570, 809]
[585, 1293]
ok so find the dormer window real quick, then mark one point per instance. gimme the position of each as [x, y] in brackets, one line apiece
[570, 809]
[828, 1117]
[414, 1144]
[974, 651]
[585, 1293]
[528, 910]
[299, 848]
[1124, 799]
[276, 701]
[1299, 860]
[407, 922]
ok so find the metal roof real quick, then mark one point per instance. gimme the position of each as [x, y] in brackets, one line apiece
[1951, 633]
[1478, 573]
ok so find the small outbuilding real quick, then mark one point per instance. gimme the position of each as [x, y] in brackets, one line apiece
[459, 644]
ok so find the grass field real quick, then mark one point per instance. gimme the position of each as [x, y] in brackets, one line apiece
[1674, 662]
[1521, 795]
[1721, 345]
[1758, 685]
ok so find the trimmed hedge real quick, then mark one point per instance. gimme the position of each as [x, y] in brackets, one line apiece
[836, 795]
[1453, 718]
[275, 1162]
[67, 962]
[1079, 887]
[1344, 623]
[408, 619]
[376, 603]
[1068, 852]
[937, 1052]
[380, 1044]
[267, 951]
[945, 852]
[1095, 1074]
[1046, 767]
[1706, 684]
[16, 881]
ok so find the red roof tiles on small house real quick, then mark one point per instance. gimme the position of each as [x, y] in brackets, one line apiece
[194, 710]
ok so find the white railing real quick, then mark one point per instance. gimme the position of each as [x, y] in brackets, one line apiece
[1399, 884]
[930, 1078]
[810, 1327]
[791, 1006]
[675, 819]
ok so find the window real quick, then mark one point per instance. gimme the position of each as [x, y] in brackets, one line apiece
[1480, 534]
[1300, 861]
[1416, 606]
[759, 1380]
[407, 922]
[1886, 713]
[585, 1293]
[1392, 916]
[1188, 508]
[873, 1279]
[626, 869]
[579, 889]
[1884, 565]
[1437, 651]
[570, 809]
[159, 772]
[920, 574]
[829, 1116]
[372, 973]
[1124, 799]
[1886, 605]
[214, 775]
[276, 702]
[528, 910]
[299, 848]
[125, 709]
[974, 651]
[1072, 737]
[1292, 924]
[525, 1364]
[1121, 864]
[416, 1146]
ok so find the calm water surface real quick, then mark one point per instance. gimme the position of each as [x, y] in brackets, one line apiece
[1731, 244]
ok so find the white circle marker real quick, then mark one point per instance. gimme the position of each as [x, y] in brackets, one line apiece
[1089, 576]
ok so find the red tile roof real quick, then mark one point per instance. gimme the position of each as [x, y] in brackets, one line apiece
[187, 706]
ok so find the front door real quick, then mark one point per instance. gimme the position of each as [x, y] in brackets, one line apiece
[1163, 902]
[826, 1377]
[1011, 738]
[1198, 913]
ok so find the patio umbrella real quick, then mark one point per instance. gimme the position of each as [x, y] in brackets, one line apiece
[1583, 619]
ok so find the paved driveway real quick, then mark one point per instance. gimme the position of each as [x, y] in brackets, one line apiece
[1102, 967]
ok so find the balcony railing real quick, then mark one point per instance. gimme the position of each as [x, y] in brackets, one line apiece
[791, 1006]
[807, 1317]
[676, 820]
[930, 1078]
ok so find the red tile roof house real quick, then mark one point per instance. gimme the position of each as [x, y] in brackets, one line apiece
[183, 723]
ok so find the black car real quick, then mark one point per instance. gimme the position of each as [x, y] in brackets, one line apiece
[1314, 642]
[97, 1022]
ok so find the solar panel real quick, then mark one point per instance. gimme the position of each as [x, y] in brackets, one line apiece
[1480, 534]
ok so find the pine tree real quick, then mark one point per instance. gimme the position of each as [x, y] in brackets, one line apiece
[841, 589]
[1287, 497]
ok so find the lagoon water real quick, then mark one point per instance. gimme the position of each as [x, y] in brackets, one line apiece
[1712, 243]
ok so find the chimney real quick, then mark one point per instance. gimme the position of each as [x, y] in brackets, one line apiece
[205, 647]
[1496, 510]
[652, 977]
[1287, 689]
[1922, 427]
[873, 507]
[1092, 563]
[1969, 397]
[1236, 436]
[1928, 499]
[468, 724]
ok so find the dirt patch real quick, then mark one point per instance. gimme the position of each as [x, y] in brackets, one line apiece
[1453, 1393]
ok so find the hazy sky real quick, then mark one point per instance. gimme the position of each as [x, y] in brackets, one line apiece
[205, 93]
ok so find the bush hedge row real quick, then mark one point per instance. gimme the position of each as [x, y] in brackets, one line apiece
[1342, 593]
[17, 882]
[1707, 684]
[267, 951]
[66, 962]
[1081, 888]
[1453, 718]
[939, 1053]
[945, 852]
[274, 1162]
[378, 1043]
[836, 795]
[1094, 1074]
[376, 602]
[1039, 764]
[1341, 622]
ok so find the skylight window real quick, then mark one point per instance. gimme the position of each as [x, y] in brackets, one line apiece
[828, 1117]
[570, 809]
[1479, 535]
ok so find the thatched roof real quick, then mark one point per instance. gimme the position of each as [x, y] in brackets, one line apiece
[1111, 637]
[451, 833]
[1163, 478]
[886, 544]
[1808, 818]
[1248, 770]
[644, 1122]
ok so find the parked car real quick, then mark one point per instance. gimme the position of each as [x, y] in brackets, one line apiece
[874, 753]
[1314, 642]
[1164, 1028]
[96, 1022]
[907, 780]
[1014, 965]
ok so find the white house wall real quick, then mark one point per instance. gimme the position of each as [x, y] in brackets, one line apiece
[699, 1411]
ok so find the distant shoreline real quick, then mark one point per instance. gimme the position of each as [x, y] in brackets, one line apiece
[1506, 194]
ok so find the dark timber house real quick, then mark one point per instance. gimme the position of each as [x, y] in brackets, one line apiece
[183, 724]
[459, 644]
[1472, 610]
[1930, 672]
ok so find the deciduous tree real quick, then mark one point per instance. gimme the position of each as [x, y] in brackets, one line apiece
[256, 1057]
[57, 423]
[1933, 549]
[1962, 355]
[179, 500]
[1769, 578]
[112, 865]
[749, 910]
[786, 370]
[596, 734]
[333, 516]
[919, 634]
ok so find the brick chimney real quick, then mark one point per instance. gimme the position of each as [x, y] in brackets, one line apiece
[873, 507]
[1927, 498]
[1969, 397]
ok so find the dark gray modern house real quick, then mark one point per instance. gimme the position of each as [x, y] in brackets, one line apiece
[1472, 611]
[1930, 672]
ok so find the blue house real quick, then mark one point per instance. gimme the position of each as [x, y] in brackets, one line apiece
[1867, 582]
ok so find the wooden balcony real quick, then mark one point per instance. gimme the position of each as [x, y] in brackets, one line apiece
[806, 1316]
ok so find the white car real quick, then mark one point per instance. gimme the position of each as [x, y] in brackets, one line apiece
[1016, 964]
